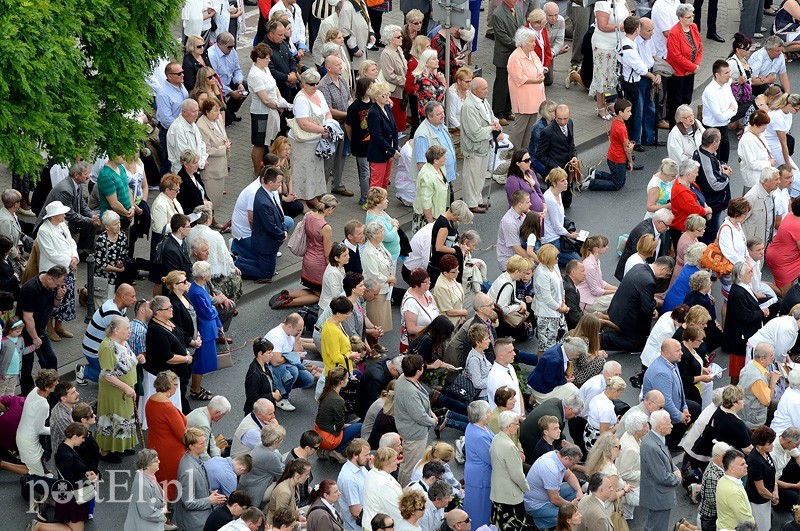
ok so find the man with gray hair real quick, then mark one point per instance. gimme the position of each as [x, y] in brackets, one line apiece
[248, 434]
[768, 63]
[433, 132]
[530, 432]
[203, 417]
[660, 475]
[226, 66]
[80, 218]
[590, 389]
[708, 487]
[478, 126]
[552, 377]
[552, 484]
[785, 455]
[714, 178]
[439, 496]
[653, 400]
[184, 135]
[761, 222]
[374, 380]
[656, 225]
[334, 89]
[758, 382]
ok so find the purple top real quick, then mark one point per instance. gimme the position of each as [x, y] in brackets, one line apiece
[515, 183]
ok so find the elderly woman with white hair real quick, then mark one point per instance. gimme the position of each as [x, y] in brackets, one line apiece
[112, 265]
[628, 462]
[146, 512]
[508, 482]
[754, 154]
[310, 111]
[430, 84]
[686, 198]
[192, 190]
[225, 276]
[680, 288]
[602, 416]
[686, 137]
[525, 85]
[377, 264]
[209, 325]
[732, 237]
[742, 319]
[393, 71]
[478, 466]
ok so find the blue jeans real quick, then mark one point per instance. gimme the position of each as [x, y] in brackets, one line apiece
[644, 123]
[266, 265]
[291, 375]
[288, 223]
[455, 406]
[250, 268]
[609, 182]
[564, 257]
[457, 421]
[47, 360]
[545, 517]
[350, 432]
[92, 369]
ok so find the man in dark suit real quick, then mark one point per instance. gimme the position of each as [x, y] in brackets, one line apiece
[552, 376]
[374, 380]
[556, 146]
[656, 226]
[508, 17]
[563, 410]
[354, 240]
[574, 275]
[633, 305]
[175, 254]
[269, 230]
[81, 218]
[283, 65]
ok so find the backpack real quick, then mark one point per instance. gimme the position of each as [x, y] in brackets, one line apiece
[298, 241]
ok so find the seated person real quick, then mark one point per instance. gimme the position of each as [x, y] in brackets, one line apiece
[234, 506]
[551, 432]
[552, 376]
[552, 484]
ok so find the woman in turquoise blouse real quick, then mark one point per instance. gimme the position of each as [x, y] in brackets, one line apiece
[377, 202]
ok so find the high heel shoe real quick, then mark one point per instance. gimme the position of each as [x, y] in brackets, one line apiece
[605, 115]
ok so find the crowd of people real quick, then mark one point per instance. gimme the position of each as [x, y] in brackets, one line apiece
[317, 98]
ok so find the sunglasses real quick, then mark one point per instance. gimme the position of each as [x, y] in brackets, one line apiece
[526, 160]
[210, 77]
[312, 84]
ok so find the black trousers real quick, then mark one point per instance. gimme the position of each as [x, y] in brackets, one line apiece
[711, 27]
[678, 430]
[679, 92]
[631, 93]
[232, 104]
[622, 342]
[724, 150]
[501, 99]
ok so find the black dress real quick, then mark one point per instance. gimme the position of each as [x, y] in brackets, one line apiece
[71, 469]
[759, 468]
[162, 345]
[689, 367]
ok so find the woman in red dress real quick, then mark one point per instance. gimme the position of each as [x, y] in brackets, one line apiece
[166, 428]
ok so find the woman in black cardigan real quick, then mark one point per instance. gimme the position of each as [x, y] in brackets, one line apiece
[743, 318]
[192, 192]
[166, 350]
[258, 382]
[185, 319]
[73, 471]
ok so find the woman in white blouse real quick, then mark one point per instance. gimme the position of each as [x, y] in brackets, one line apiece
[32, 422]
[754, 153]
[57, 247]
[780, 125]
[333, 277]
[265, 104]
[601, 416]
[164, 207]
[732, 238]
[504, 291]
[553, 223]
[685, 137]
[548, 305]
[377, 264]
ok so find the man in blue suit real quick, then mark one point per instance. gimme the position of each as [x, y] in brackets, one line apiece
[663, 375]
[269, 230]
[552, 377]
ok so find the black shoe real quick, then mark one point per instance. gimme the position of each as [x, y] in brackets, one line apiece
[489, 36]
[129, 452]
[638, 167]
[111, 458]
[658, 143]
[715, 37]
[251, 2]
[235, 118]
[639, 148]
[636, 380]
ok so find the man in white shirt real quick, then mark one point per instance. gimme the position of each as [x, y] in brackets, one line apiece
[420, 251]
[183, 134]
[664, 18]
[783, 194]
[556, 27]
[769, 66]
[719, 106]
[439, 496]
[783, 453]
[644, 121]
[502, 373]
[287, 362]
[298, 26]
[633, 70]
[242, 221]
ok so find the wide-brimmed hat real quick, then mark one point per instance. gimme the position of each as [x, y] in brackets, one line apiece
[55, 208]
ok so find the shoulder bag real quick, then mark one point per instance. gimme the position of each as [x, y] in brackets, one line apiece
[714, 260]
[513, 319]
[300, 134]
[298, 241]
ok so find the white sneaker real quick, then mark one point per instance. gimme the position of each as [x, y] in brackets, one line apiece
[280, 254]
[80, 379]
[285, 405]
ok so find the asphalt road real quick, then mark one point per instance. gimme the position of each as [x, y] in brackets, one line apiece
[608, 213]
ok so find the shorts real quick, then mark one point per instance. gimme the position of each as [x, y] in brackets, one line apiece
[258, 130]
[313, 286]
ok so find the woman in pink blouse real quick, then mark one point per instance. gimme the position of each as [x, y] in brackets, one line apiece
[525, 85]
[596, 294]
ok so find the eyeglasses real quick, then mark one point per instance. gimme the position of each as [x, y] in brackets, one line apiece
[176, 73]
[468, 520]
[388, 526]
[200, 46]
[312, 84]
[211, 77]
[164, 309]
[526, 160]
[416, 23]
[184, 281]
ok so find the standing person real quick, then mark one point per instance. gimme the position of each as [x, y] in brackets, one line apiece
[429, 83]
[506, 18]
[660, 475]
[686, 136]
[378, 265]
[644, 125]
[32, 422]
[116, 398]
[196, 501]
[168, 426]
[478, 466]
[508, 483]
[433, 132]
[183, 135]
[266, 104]
[209, 326]
[383, 148]
[720, 106]
[549, 305]
[413, 415]
[354, 22]
[218, 147]
[430, 200]
[686, 198]
[394, 69]
[620, 154]
[336, 91]
[525, 85]
[11, 354]
[609, 19]
[502, 374]
[556, 146]
[731, 496]
[358, 131]
[477, 128]
[684, 54]
[168, 107]
[146, 511]
[713, 180]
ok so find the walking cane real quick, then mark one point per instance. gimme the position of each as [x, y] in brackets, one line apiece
[138, 423]
[495, 135]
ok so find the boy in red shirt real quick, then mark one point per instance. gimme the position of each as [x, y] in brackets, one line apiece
[619, 156]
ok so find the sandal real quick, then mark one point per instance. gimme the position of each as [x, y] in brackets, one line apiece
[201, 395]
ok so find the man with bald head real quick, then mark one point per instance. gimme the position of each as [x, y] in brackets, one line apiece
[652, 401]
[555, 32]
[663, 375]
[184, 134]
[124, 298]
[337, 94]
[644, 120]
[478, 124]
[556, 146]
[458, 520]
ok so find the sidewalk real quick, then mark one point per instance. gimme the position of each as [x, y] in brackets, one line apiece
[590, 131]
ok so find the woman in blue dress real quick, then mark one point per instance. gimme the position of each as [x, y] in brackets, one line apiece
[478, 467]
[208, 325]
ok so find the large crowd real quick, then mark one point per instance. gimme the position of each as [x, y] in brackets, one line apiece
[316, 98]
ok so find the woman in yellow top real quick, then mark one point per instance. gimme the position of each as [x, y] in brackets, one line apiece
[334, 343]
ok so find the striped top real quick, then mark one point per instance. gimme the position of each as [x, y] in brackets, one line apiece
[96, 331]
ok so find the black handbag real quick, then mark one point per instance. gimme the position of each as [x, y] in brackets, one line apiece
[462, 389]
[568, 245]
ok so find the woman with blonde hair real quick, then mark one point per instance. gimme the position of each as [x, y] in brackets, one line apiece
[456, 95]
[208, 82]
[553, 223]
[383, 148]
[659, 189]
[369, 69]
[443, 452]
[377, 203]
[429, 83]
[592, 363]
[411, 29]
[419, 44]
[195, 57]
[645, 249]
[412, 508]
[291, 206]
[595, 293]
[393, 69]
[547, 111]
[549, 306]
[779, 128]
[602, 416]
[601, 458]
[695, 228]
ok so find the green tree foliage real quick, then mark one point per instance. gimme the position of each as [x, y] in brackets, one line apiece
[73, 71]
